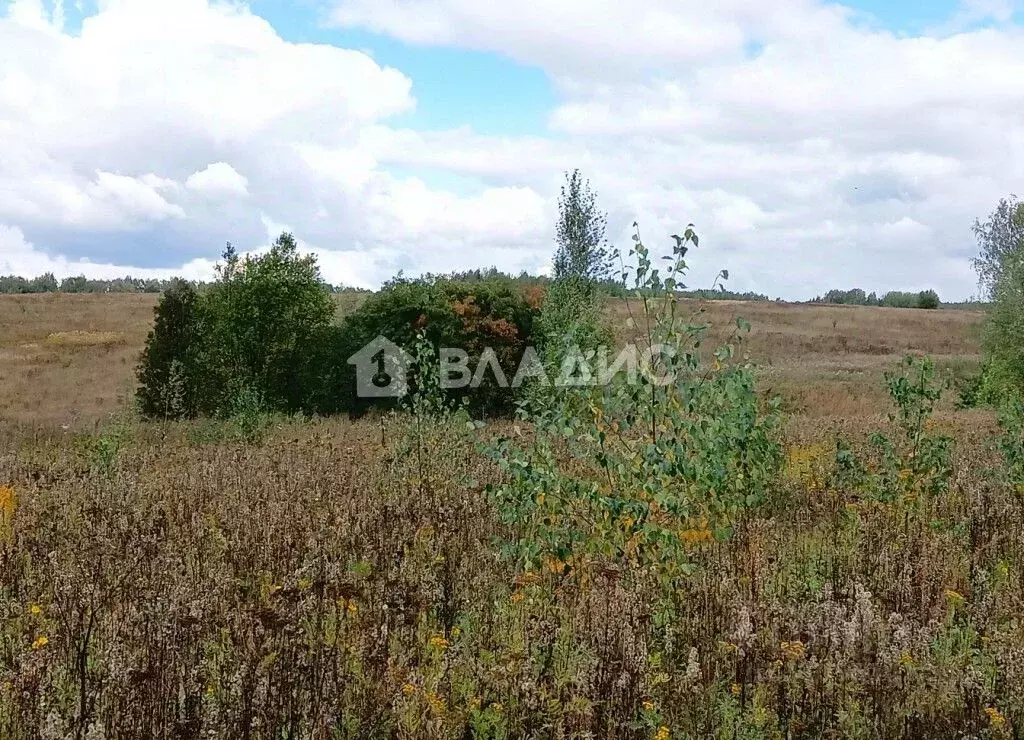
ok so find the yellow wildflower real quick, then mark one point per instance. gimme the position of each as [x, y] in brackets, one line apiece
[662, 733]
[954, 598]
[35, 610]
[408, 689]
[793, 650]
[906, 659]
[439, 642]
[649, 706]
[456, 631]
[516, 597]
[474, 703]
[527, 579]
[695, 536]
[351, 607]
[735, 689]
[437, 703]
[995, 717]
[496, 707]
[8, 502]
[554, 565]
[40, 642]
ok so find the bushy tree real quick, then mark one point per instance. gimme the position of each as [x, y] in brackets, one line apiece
[582, 262]
[1001, 244]
[261, 317]
[899, 299]
[474, 316]
[254, 338]
[1000, 267]
[582, 251]
[168, 373]
[928, 299]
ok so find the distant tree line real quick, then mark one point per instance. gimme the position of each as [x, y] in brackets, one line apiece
[892, 299]
[48, 283]
[602, 285]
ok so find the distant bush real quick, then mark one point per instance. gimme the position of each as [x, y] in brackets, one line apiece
[723, 294]
[168, 372]
[899, 299]
[853, 297]
[928, 299]
[472, 316]
[892, 299]
[248, 336]
[261, 317]
[47, 283]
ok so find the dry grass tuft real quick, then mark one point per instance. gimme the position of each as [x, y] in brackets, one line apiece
[85, 338]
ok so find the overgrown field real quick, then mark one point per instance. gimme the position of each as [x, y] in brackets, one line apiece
[70, 359]
[365, 578]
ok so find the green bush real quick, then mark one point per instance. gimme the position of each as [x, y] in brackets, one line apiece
[1000, 267]
[168, 371]
[472, 316]
[928, 299]
[257, 333]
[260, 320]
[899, 299]
[1003, 336]
[631, 474]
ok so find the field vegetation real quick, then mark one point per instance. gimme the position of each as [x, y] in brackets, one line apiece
[806, 535]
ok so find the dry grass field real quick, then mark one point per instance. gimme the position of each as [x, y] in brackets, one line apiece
[343, 579]
[70, 359]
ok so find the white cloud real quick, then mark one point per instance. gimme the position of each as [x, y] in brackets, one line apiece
[135, 198]
[860, 155]
[810, 150]
[128, 126]
[218, 180]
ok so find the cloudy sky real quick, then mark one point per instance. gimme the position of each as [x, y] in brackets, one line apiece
[813, 144]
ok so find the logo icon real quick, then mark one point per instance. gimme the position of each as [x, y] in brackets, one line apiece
[381, 369]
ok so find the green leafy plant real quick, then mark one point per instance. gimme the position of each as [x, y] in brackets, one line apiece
[912, 461]
[476, 317]
[168, 372]
[659, 462]
[258, 327]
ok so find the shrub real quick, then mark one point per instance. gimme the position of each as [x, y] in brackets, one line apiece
[472, 316]
[1000, 268]
[631, 478]
[1003, 335]
[571, 315]
[258, 333]
[928, 299]
[899, 299]
[168, 371]
[260, 320]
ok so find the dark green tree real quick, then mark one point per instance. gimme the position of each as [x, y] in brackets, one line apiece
[928, 299]
[262, 317]
[168, 372]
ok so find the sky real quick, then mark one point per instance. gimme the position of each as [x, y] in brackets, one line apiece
[813, 144]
